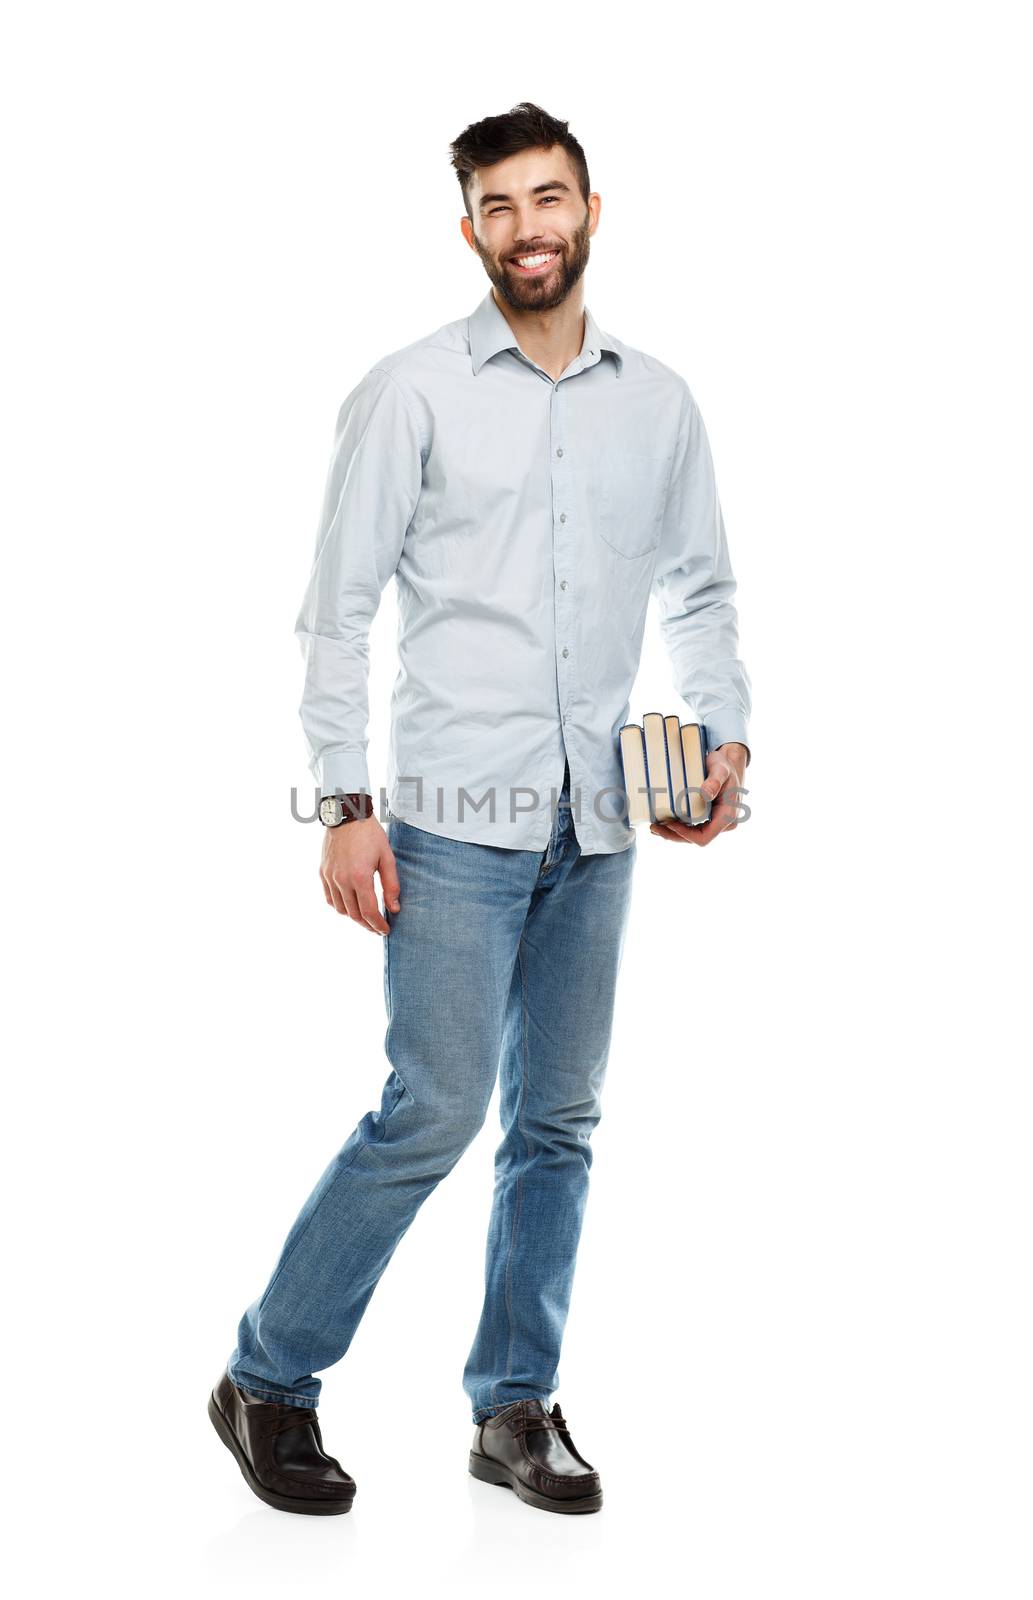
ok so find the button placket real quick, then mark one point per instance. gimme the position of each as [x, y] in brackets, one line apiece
[563, 605]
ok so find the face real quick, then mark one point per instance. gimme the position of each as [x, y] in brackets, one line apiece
[530, 205]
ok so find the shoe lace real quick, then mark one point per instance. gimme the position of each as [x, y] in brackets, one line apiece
[526, 1422]
[290, 1417]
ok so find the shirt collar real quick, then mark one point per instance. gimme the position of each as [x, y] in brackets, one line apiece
[490, 332]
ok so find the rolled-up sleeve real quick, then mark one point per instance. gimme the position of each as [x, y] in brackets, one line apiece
[372, 491]
[694, 586]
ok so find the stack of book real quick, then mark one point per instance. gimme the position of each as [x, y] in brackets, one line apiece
[665, 767]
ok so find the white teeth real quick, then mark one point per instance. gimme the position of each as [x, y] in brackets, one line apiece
[534, 261]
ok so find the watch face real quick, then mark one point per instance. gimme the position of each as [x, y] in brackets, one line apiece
[329, 812]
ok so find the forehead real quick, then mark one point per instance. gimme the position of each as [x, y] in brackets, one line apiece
[519, 174]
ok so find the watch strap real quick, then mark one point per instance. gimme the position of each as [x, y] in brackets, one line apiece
[356, 807]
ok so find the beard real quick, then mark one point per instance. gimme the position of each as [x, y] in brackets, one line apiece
[552, 288]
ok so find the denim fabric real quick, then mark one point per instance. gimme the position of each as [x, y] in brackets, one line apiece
[498, 960]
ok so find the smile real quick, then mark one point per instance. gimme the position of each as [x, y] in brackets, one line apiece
[531, 266]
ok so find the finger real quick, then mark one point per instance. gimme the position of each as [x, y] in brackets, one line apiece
[389, 884]
[369, 908]
[326, 888]
[342, 892]
[680, 832]
[718, 775]
[733, 798]
[351, 903]
[720, 817]
[728, 804]
[336, 898]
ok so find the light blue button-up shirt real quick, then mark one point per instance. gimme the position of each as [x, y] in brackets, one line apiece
[526, 520]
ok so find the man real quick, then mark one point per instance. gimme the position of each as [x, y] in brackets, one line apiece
[529, 480]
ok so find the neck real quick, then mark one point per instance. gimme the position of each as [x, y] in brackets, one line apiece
[552, 338]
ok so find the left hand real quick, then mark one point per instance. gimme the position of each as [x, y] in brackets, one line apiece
[726, 768]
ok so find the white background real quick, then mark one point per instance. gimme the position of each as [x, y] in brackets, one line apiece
[799, 1343]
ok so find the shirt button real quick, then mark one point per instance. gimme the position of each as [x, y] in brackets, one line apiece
[563, 583]
[566, 652]
[559, 452]
[563, 516]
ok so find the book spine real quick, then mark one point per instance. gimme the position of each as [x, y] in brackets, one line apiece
[670, 770]
[704, 751]
[625, 728]
[645, 763]
[679, 780]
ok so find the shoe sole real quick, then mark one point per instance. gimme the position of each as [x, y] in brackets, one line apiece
[282, 1502]
[488, 1471]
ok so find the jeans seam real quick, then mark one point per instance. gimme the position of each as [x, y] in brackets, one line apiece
[387, 967]
[331, 1186]
[274, 1280]
[519, 1191]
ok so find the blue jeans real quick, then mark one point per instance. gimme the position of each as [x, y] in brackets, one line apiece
[497, 960]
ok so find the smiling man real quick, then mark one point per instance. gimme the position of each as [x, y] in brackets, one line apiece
[529, 481]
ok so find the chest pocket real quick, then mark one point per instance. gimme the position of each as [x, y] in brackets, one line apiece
[629, 491]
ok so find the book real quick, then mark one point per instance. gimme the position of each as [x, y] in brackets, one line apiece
[664, 763]
[694, 754]
[658, 766]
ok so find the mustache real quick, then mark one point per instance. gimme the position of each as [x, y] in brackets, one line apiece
[537, 250]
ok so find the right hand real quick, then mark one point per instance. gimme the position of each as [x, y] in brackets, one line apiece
[351, 855]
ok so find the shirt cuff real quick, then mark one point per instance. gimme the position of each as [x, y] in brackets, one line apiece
[724, 727]
[345, 770]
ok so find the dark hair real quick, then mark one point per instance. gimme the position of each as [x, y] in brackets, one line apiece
[525, 127]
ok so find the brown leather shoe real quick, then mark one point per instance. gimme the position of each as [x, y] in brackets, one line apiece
[529, 1449]
[279, 1449]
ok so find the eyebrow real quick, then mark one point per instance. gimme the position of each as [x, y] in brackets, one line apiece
[539, 188]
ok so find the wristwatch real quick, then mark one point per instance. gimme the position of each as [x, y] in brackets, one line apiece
[333, 811]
